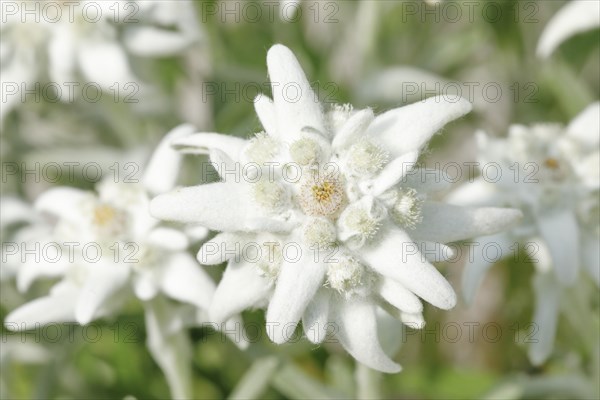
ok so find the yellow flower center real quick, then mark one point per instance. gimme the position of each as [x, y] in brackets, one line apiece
[321, 196]
[323, 192]
[108, 220]
[104, 215]
[552, 163]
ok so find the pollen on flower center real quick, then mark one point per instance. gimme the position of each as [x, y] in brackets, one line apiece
[319, 232]
[365, 157]
[555, 168]
[406, 210]
[324, 191]
[108, 220]
[321, 195]
[347, 276]
[552, 163]
[104, 215]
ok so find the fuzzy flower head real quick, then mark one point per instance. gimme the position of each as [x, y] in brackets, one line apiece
[115, 244]
[343, 206]
[551, 172]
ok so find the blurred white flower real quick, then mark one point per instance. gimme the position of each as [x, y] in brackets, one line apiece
[166, 28]
[128, 249]
[574, 17]
[18, 223]
[552, 174]
[343, 194]
[83, 40]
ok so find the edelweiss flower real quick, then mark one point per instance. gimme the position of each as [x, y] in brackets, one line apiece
[552, 174]
[73, 44]
[126, 247]
[83, 38]
[334, 211]
[575, 17]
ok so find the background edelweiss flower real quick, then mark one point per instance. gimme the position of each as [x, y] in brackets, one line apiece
[73, 44]
[556, 183]
[575, 17]
[134, 251]
[358, 192]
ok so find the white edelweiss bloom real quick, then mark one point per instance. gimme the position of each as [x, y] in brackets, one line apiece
[83, 38]
[348, 212]
[552, 174]
[574, 17]
[73, 41]
[127, 248]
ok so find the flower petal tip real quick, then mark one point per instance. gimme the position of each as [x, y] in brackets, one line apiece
[449, 302]
[83, 316]
[393, 369]
[463, 105]
[276, 337]
[279, 52]
[161, 206]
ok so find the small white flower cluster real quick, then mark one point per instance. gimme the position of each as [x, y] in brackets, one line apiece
[558, 189]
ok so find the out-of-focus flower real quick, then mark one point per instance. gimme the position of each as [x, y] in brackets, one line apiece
[552, 174]
[78, 43]
[18, 223]
[344, 193]
[125, 247]
[73, 45]
[574, 17]
[166, 28]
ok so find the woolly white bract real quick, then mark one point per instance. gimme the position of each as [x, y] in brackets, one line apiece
[552, 174]
[345, 194]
